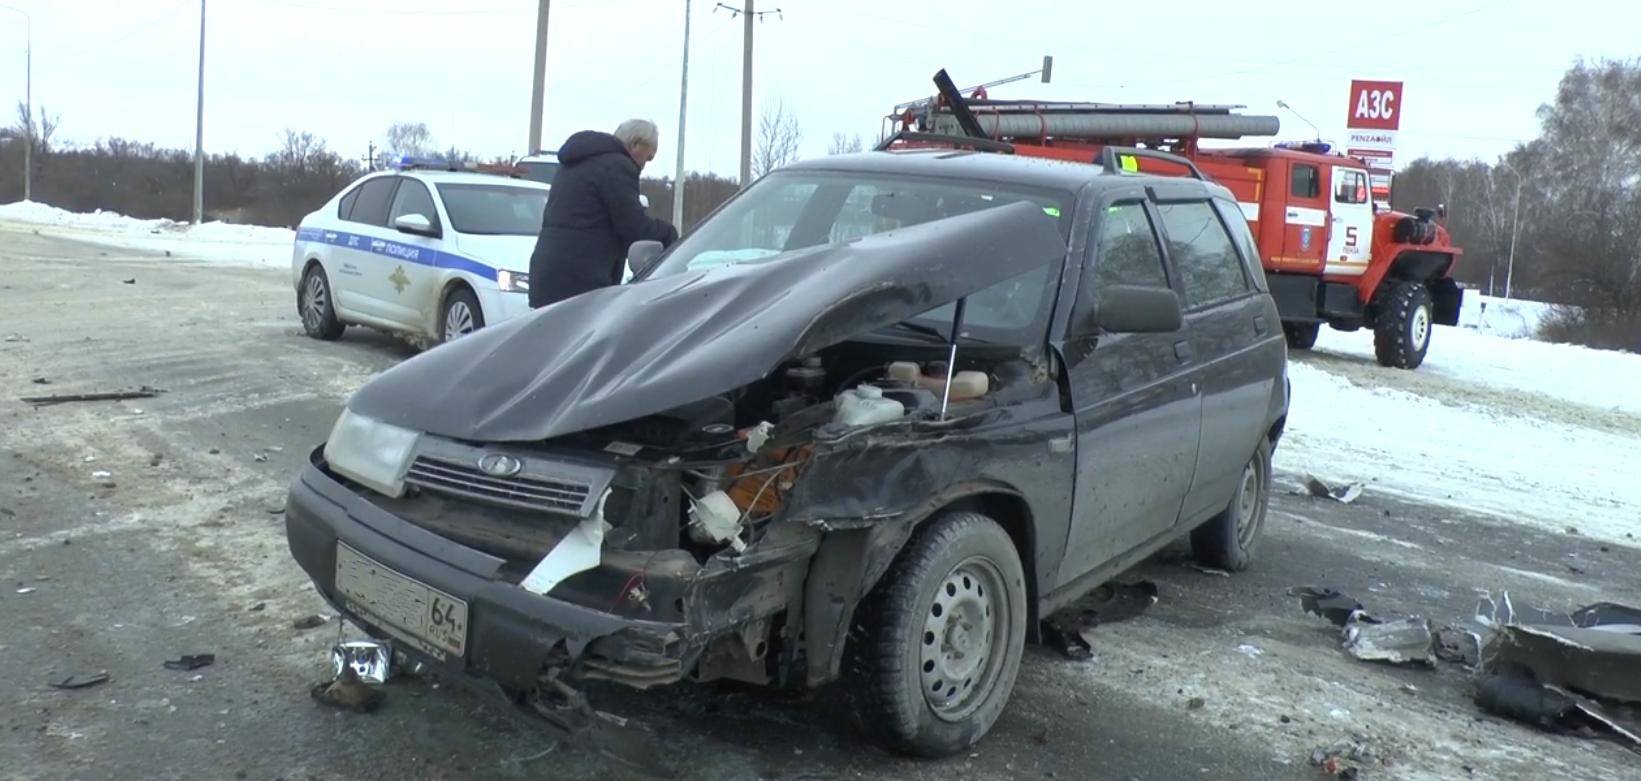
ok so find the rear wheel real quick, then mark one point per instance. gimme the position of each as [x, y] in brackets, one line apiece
[316, 305]
[936, 646]
[1402, 324]
[1301, 336]
[1228, 540]
[460, 315]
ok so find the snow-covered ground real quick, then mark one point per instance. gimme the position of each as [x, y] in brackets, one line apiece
[212, 241]
[1536, 433]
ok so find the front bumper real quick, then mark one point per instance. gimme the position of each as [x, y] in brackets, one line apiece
[500, 306]
[513, 636]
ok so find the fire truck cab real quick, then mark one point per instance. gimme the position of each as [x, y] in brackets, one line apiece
[1332, 255]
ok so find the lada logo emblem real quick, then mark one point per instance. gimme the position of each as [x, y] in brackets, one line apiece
[499, 465]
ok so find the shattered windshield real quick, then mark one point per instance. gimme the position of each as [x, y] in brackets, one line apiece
[795, 210]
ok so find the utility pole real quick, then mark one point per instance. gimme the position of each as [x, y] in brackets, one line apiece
[1515, 231]
[746, 98]
[752, 15]
[28, 102]
[683, 98]
[1284, 104]
[539, 85]
[370, 156]
[199, 127]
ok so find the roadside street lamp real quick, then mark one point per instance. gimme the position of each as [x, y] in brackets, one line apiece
[1515, 228]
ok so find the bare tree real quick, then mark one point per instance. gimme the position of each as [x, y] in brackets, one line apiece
[778, 139]
[843, 144]
[405, 138]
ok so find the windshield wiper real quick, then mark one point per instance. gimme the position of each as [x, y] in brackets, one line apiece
[937, 333]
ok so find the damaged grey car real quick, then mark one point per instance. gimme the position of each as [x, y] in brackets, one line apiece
[871, 421]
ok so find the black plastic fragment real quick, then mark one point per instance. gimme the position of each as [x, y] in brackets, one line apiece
[190, 662]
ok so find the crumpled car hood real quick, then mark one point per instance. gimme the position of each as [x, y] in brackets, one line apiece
[624, 352]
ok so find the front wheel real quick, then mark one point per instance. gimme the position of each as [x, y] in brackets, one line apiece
[1228, 540]
[1402, 324]
[460, 315]
[937, 644]
[317, 306]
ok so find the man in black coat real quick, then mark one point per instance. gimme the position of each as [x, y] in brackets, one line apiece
[593, 214]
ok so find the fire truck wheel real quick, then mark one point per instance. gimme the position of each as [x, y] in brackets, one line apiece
[1402, 325]
[1301, 336]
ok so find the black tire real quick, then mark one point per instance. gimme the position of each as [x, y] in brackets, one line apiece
[1229, 539]
[1301, 336]
[1402, 324]
[458, 300]
[904, 635]
[317, 306]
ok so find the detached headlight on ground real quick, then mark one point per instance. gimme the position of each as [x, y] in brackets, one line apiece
[371, 452]
[513, 282]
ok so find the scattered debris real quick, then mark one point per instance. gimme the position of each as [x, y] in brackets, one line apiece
[1107, 604]
[28, 590]
[14, 338]
[1329, 604]
[1344, 493]
[1210, 571]
[1514, 694]
[309, 622]
[347, 692]
[1344, 759]
[1603, 663]
[131, 281]
[41, 381]
[370, 661]
[260, 458]
[1250, 650]
[155, 459]
[144, 392]
[101, 474]
[259, 607]
[1196, 703]
[1407, 641]
[78, 680]
[188, 662]
[1458, 645]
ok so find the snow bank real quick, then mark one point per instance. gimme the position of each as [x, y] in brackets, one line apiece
[1512, 318]
[1520, 468]
[1600, 379]
[220, 242]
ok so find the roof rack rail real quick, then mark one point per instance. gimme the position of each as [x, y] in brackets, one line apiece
[1109, 158]
[978, 144]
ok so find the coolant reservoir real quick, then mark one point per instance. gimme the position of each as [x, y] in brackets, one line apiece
[866, 406]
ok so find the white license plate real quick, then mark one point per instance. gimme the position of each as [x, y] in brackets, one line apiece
[427, 615]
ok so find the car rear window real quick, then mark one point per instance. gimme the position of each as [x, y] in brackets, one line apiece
[494, 210]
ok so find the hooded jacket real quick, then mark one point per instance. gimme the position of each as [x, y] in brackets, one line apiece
[593, 216]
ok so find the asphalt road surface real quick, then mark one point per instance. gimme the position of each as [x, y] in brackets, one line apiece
[148, 529]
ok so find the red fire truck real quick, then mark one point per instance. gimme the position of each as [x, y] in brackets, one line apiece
[1332, 256]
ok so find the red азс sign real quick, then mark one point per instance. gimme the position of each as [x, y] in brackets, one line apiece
[1375, 105]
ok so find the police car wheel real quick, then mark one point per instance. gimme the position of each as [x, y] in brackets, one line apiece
[316, 306]
[460, 315]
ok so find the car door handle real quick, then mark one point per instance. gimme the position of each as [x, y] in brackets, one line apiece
[1260, 327]
[1182, 351]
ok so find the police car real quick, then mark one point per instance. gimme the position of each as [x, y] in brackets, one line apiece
[424, 248]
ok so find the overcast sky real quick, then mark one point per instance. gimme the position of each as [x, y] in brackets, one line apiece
[1475, 70]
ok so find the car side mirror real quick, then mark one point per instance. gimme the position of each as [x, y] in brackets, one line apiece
[644, 200]
[642, 255]
[1138, 310]
[413, 223]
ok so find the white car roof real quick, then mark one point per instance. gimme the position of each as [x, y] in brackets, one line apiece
[466, 177]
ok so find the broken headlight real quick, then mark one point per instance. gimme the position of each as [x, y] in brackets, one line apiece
[371, 452]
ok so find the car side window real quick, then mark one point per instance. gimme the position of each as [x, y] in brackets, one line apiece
[1307, 181]
[413, 198]
[1203, 254]
[1126, 253]
[1241, 234]
[346, 205]
[374, 197]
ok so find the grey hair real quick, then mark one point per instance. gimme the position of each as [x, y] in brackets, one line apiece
[635, 131]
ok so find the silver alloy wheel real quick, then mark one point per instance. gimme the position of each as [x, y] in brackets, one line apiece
[1421, 326]
[1247, 507]
[965, 636]
[458, 320]
[315, 301]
